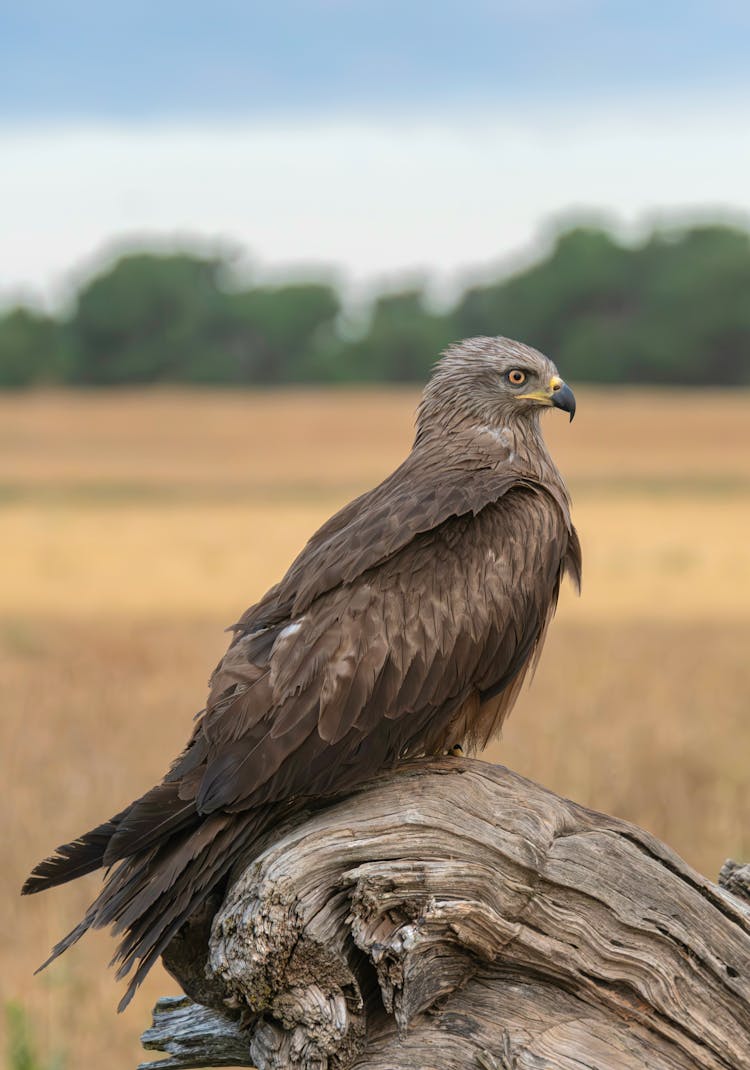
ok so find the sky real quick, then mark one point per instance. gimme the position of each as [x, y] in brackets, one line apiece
[375, 141]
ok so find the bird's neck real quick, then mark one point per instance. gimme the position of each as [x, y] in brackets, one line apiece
[517, 445]
[529, 450]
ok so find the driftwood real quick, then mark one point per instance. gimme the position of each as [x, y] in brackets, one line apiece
[455, 915]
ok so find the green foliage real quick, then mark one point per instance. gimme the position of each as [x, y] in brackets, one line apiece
[31, 349]
[169, 319]
[21, 1051]
[675, 309]
[143, 319]
[265, 335]
[401, 344]
[695, 307]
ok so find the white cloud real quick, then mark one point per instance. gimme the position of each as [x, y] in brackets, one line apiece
[365, 199]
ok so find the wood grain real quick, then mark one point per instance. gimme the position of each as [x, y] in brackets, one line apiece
[454, 914]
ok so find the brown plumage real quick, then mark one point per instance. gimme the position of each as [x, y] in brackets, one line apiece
[406, 625]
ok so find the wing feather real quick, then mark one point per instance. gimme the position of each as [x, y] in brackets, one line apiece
[461, 609]
[407, 623]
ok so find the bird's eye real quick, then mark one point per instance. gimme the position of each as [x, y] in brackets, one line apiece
[516, 377]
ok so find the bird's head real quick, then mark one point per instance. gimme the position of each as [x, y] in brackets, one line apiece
[493, 383]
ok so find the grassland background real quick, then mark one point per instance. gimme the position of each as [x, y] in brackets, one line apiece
[135, 526]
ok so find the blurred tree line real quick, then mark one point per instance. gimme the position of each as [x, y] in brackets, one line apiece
[675, 309]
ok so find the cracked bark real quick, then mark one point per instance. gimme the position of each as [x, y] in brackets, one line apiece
[455, 915]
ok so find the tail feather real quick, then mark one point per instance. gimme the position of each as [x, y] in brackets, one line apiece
[149, 896]
[158, 814]
[73, 937]
[75, 859]
[149, 821]
[154, 927]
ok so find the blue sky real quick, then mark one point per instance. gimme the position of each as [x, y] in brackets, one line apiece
[304, 58]
[376, 141]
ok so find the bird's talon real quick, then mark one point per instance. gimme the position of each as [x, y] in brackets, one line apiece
[456, 751]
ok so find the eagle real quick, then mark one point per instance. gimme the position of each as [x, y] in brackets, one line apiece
[405, 626]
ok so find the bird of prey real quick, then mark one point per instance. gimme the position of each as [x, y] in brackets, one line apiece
[405, 626]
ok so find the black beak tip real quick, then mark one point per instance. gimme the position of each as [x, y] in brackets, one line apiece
[564, 398]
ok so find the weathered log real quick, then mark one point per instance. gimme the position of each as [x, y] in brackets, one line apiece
[453, 914]
[735, 877]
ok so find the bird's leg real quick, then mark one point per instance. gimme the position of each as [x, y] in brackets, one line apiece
[456, 751]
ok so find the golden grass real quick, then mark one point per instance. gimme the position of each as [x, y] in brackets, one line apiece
[286, 443]
[645, 720]
[665, 558]
[203, 499]
[133, 527]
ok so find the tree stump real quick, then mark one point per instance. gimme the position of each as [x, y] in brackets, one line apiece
[453, 914]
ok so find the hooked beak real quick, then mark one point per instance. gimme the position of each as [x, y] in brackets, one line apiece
[558, 394]
[562, 397]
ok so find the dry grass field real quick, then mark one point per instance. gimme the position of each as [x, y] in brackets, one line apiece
[135, 526]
